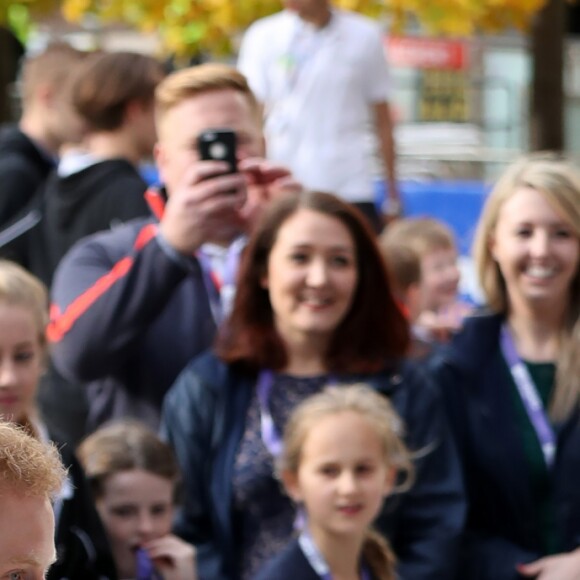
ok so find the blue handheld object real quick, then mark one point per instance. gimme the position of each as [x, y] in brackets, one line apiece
[145, 568]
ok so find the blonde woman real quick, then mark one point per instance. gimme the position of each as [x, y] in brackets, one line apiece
[512, 380]
[82, 547]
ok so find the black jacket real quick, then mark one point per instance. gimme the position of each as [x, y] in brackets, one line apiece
[69, 208]
[23, 169]
[98, 198]
[204, 419]
[126, 319]
[81, 543]
[64, 210]
[501, 524]
[290, 564]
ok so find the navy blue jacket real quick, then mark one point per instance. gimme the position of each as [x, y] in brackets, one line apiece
[126, 319]
[204, 417]
[290, 564]
[501, 528]
[81, 542]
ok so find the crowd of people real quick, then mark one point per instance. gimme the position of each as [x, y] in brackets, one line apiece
[238, 378]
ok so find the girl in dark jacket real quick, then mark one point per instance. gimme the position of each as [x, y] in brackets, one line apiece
[81, 544]
[342, 456]
[313, 306]
[511, 380]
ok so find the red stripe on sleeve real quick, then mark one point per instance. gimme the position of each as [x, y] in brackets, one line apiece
[156, 202]
[60, 326]
[145, 236]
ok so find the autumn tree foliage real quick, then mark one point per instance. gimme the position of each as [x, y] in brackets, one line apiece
[210, 25]
[465, 17]
[187, 27]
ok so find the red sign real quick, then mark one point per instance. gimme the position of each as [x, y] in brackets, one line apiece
[426, 53]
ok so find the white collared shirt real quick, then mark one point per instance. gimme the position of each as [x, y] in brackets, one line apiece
[318, 87]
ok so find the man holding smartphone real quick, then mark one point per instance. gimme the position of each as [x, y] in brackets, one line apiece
[134, 305]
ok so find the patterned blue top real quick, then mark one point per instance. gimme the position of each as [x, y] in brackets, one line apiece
[264, 513]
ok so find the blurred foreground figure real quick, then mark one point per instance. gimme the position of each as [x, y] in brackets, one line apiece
[31, 475]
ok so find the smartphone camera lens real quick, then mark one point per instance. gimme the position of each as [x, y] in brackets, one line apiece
[218, 150]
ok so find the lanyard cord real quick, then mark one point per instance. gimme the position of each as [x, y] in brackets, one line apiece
[270, 434]
[529, 396]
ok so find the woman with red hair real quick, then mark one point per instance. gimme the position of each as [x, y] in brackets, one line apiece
[313, 307]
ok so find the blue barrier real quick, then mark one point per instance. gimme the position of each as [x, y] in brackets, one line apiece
[457, 203]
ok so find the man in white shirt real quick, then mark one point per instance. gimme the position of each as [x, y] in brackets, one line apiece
[322, 78]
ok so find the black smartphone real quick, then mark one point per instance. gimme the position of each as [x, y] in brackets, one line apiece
[219, 145]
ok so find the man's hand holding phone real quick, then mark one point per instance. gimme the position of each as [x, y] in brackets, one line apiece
[219, 198]
[266, 179]
[206, 207]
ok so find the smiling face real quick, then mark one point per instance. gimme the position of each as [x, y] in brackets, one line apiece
[342, 476]
[27, 532]
[536, 250]
[21, 361]
[311, 276]
[135, 507]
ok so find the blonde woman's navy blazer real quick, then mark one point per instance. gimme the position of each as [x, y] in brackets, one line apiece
[501, 530]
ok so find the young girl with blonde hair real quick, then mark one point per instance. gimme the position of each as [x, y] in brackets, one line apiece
[82, 547]
[342, 455]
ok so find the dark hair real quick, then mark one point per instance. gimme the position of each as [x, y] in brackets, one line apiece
[373, 332]
[105, 86]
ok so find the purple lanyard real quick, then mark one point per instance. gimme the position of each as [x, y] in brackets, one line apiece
[220, 291]
[270, 435]
[529, 396]
[316, 559]
[144, 569]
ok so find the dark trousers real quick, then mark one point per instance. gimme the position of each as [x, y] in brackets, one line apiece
[369, 211]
